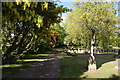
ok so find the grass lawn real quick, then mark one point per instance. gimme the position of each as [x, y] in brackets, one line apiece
[107, 70]
[9, 69]
[77, 68]
[105, 57]
[64, 55]
[72, 68]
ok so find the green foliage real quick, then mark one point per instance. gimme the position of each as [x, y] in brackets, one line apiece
[60, 33]
[92, 19]
[26, 26]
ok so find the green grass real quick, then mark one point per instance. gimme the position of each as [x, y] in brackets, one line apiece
[116, 47]
[10, 65]
[105, 71]
[105, 57]
[34, 56]
[77, 68]
[25, 61]
[71, 68]
[59, 49]
[9, 69]
[28, 60]
[105, 53]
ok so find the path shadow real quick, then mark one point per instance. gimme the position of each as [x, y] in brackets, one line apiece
[113, 77]
[17, 66]
[32, 69]
[8, 72]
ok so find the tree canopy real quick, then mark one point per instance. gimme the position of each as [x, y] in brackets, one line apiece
[26, 26]
[92, 24]
[90, 19]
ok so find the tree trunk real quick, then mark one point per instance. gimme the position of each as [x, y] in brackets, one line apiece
[92, 62]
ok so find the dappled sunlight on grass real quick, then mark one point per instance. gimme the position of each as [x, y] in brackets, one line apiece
[9, 70]
[10, 65]
[42, 54]
[27, 60]
[116, 47]
[34, 56]
[22, 64]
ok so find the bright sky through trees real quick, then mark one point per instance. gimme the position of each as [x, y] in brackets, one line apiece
[69, 5]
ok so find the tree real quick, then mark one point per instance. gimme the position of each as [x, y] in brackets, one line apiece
[92, 23]
[25, 25]
[59, 32]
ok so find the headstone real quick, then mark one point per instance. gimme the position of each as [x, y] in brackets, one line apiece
[75, 51]
[82, 51]
[68, 51]
[88, 51]
[117, 67]
[72, 51]
[65, 51]
[116, 50]
[78, 50]
[98, 52]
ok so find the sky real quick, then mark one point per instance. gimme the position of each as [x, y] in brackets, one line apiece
[66, 4]
[69, 6]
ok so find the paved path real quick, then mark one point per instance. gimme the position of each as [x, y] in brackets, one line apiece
[42, 69]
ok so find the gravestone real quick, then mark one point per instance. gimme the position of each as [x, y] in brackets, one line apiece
[82, 51]
[117, 67]
[68, 51]
[78, 50]
[117, 55]
[74, 51]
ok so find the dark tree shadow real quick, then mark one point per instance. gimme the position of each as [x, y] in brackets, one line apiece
[113, 77]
